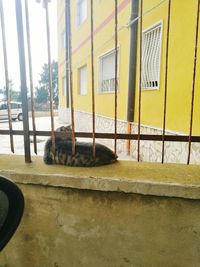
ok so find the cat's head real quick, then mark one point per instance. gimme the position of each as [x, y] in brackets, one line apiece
[66, 132]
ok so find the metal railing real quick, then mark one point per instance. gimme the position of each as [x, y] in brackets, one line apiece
[69, 83]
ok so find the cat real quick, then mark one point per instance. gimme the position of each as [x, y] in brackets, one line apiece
[83, 156]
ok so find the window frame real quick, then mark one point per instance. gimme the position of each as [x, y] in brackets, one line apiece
[150, 28]
[78, 22]
[100, 70]
[79, 80]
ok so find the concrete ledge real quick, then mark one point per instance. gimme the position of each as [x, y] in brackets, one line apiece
[169, 180]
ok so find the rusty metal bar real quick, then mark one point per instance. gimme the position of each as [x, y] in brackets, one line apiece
[30, 74]
[140, 81]
[166, 80]
[92, 78]
[71, 76]
[121, 136]
[22, 63]
[116, 72]
[46, 6]
[6, 74]
[193, 81]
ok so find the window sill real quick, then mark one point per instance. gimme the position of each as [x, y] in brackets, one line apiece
[107, 93]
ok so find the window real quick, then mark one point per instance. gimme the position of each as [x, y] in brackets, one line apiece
[151, 55]
[83, 80]
[81, 11]
[63, 39]
[14, 105]
[107, 72]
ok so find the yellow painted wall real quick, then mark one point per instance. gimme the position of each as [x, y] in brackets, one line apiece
[180, 70]
[103, 42]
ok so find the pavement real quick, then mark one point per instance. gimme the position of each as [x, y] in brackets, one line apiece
[42, 124]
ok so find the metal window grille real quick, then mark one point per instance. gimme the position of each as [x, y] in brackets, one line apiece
[151, 48]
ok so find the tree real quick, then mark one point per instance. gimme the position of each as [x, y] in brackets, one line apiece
[42, 95]
[14, 94]
[42, 91]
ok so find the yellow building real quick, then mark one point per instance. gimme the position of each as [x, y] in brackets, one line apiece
[182, 35]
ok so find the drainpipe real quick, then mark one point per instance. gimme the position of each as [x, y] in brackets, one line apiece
[67, 53]
[132, 69]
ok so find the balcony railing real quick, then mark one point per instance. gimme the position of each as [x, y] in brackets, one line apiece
[106, 85]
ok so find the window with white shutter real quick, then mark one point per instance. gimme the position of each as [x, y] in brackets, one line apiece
[83, 80]
[107, 72]
[151, 56]
[81, 11]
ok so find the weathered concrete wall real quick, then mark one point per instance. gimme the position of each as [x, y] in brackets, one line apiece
[97, 226]
[68, 227]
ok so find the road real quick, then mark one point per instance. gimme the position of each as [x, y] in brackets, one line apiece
[42, 124]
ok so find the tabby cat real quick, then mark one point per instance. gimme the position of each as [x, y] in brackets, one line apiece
[83, 156]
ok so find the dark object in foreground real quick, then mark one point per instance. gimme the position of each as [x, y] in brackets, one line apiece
[11, 210]
[83, 156]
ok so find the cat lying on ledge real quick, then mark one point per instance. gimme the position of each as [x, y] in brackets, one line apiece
[83, 156]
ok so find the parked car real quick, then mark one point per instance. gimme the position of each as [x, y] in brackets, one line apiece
[16, 111]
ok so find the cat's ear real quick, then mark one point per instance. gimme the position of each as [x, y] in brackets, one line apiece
[58, 129]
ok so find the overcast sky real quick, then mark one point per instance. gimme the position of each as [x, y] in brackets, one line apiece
[38, 39]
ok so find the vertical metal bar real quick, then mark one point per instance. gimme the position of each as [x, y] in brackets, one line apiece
[92, 76]
[193, 81]
[166, 80]
[67, 54]
[71, 77]
[140, 81]
[50, 74]
[30, 75]
[116, 70]
[22, 63]
[6, 73]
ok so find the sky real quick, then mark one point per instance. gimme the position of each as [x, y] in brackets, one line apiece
[38, 40]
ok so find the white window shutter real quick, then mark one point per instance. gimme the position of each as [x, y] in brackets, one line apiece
[83, 80]
[107, 72]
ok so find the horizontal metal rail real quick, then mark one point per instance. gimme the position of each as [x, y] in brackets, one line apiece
[143, 137]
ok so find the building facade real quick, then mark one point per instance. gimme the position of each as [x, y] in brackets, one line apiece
[182, 34]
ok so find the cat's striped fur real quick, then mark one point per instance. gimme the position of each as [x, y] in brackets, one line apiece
[83, 156]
